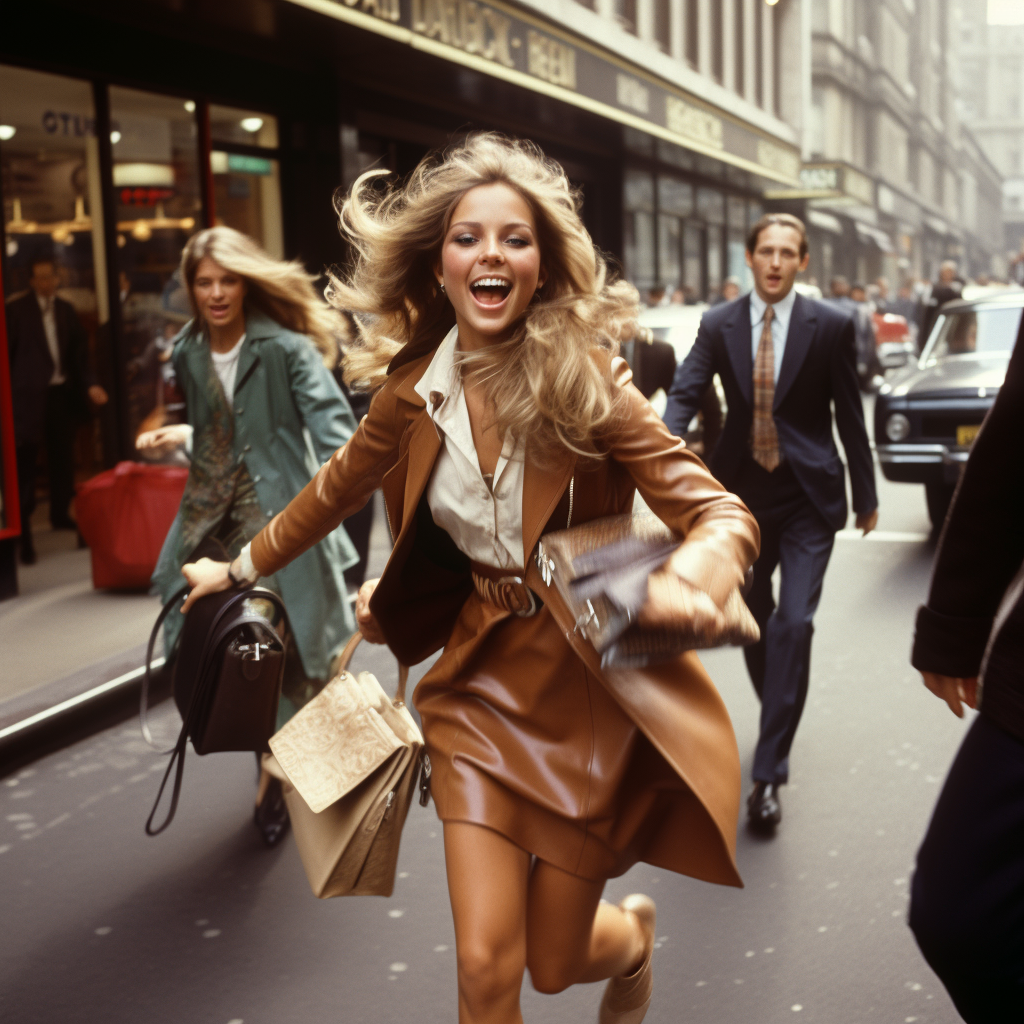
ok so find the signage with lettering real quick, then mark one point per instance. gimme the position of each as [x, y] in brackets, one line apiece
[514, 45]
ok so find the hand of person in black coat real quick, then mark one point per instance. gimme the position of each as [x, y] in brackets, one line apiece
[954, 691]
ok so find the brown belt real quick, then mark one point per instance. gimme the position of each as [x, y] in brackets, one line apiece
[507, 592]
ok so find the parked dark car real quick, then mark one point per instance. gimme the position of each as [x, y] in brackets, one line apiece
[927, 415]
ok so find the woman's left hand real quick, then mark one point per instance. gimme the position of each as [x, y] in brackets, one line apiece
[671, 601]
[206, 577]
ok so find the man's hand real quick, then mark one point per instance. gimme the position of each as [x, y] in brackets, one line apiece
[97, 395]
[365, 619]
[953, 690]
[867, 521]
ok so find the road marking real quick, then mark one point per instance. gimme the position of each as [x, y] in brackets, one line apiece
[883, 536]
[72, 702]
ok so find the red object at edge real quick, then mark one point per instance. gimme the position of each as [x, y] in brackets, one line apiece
[124, 515]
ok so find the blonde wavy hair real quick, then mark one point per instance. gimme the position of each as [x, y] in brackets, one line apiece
[543, 383]
[281, 289]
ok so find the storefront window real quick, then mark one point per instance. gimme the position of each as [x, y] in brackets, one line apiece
[246, 175]
[675, 196]
[670, 236]
[52, 204]
[639, 241]
[158, 206]
[693, 261]
[714, 262]
[711, 206]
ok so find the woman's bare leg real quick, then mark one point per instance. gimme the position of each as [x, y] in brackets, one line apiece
[487, 885]
[571, 936]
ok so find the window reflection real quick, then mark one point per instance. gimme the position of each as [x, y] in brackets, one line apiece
[158, 206]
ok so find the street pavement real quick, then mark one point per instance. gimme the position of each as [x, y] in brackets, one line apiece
[202, 925]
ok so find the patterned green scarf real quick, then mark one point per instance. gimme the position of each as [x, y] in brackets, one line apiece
[220, 498]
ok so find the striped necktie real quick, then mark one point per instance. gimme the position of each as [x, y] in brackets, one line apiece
[764, 438]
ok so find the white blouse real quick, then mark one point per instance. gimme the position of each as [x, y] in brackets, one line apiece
[484, 516]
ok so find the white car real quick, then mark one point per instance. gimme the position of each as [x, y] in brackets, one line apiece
[675, 324]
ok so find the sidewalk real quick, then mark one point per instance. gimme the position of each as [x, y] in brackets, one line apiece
[71, 657]
[60, 640]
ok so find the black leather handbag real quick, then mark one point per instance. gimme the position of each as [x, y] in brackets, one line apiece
[228, 667]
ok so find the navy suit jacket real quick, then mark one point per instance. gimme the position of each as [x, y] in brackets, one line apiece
[818, 371]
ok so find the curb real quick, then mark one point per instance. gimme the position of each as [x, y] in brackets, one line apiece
[78, 717]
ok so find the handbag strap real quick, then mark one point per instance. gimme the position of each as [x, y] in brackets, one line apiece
[214, 637]
[147, 675]
[346, 656]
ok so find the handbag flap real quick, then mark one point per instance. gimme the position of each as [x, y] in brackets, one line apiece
[337, 740]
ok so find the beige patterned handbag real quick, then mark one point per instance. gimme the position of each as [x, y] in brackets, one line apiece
[349, 762]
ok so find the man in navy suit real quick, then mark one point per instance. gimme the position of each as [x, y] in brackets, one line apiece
[784, 361]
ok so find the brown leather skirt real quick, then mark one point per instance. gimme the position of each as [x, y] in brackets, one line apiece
[524, 739]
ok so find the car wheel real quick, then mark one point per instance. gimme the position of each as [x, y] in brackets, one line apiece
[938, 497]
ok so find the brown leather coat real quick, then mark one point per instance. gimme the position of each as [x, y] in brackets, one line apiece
[591, 771]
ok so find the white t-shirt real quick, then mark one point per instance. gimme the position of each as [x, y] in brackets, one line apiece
[226, 366]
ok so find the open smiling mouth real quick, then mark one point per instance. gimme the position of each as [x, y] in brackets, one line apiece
[490, 291]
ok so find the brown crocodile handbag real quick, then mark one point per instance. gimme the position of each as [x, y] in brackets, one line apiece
[601, 569]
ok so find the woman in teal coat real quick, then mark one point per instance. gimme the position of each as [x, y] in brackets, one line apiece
[264, 413]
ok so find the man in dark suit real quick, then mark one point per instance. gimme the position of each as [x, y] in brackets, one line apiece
[783, 361]
[52, 386]
[967, 896]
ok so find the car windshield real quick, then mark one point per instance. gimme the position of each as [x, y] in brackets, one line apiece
[974, 331]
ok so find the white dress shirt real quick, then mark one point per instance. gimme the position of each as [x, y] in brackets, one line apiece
[483, 516]
[780, 325]
[46, 307]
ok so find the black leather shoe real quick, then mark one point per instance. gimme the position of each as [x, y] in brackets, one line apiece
[64, 523]
[271, 814]
[763, 807]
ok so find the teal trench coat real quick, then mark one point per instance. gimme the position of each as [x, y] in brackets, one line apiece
[289, 417]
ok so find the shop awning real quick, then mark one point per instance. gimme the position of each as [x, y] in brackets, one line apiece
[825, 221]
[874, 236]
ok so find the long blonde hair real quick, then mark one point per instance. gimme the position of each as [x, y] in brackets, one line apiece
[543, 382]
[281, 289]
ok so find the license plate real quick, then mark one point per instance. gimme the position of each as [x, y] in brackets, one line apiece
[965, 435]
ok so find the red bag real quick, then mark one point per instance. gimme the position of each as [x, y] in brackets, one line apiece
[124, 515]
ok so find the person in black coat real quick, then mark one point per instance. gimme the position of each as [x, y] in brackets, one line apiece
[783, 360]
[51, 386]
[967, 896]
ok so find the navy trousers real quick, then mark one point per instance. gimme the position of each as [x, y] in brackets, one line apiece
[796, 539]
[967, 897]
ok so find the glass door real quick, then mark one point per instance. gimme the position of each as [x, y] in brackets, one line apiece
[52, 219]
[158, 207]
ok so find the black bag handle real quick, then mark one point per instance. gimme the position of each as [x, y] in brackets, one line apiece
[214, 638]
[144, 695]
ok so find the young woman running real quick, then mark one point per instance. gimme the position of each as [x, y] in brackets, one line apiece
[501, 410]
[251, 364]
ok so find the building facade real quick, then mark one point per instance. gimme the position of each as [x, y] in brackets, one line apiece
[894, 181]
[128, 125]
[991, 71]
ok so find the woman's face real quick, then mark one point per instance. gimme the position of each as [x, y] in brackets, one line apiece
[490, 263]
[218, 293]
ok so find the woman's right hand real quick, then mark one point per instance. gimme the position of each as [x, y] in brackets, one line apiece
[206, 577]
[163, 440]
[365, 619]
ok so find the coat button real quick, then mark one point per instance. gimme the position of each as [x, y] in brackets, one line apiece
[239, 410]
[247, 448]
[257, 478]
